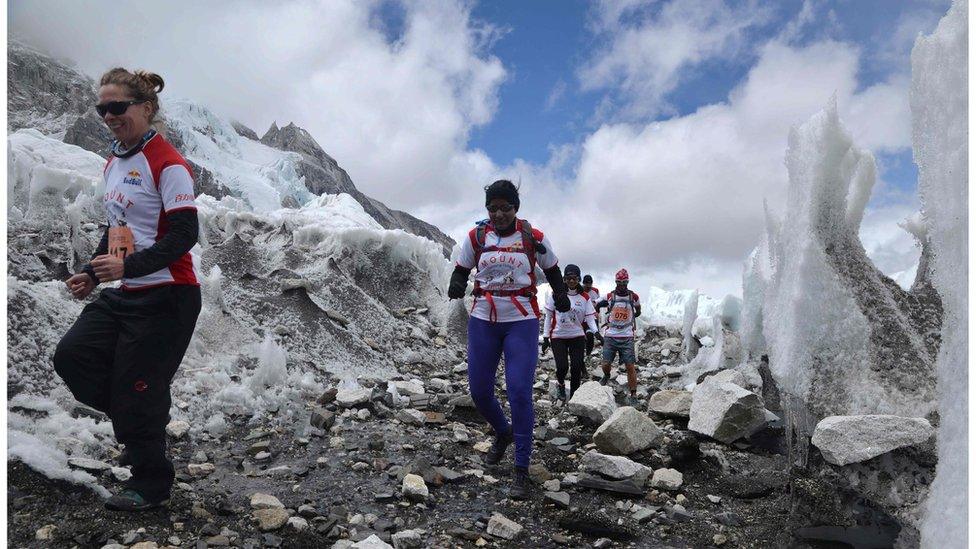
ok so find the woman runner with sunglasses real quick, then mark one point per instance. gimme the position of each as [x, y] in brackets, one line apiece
[120, 355]
[505, 318]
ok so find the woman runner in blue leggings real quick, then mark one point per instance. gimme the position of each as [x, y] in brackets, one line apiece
[504, 251]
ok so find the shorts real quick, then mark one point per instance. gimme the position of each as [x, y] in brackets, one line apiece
[624, 346]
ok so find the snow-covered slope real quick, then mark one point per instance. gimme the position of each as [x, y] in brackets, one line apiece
[293, 297]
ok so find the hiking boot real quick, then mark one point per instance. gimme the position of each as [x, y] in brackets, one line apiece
[561, 393]
[497, 450]
[520, 484]
[606, 378]
[132, 501]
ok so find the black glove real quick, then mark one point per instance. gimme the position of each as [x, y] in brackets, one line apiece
[545, 345]
[599, 337]
[459, 282]
[561, 300]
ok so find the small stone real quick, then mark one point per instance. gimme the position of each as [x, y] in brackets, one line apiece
[551, 485]
[91, 465]
[265, 501]
[681, 499]
[351, 398]
[218, 541]
[322, 419]
[667, 479]
[363, 414]
[501, 527]
[538, 473]
[482, 447]
[200, 470]
[414, 487]
[270, 519]
[174, 540]
[372, 542]
[177, 428]
[258, 447]
[145, 545]
[298, 524]
[45, 533]
[407, 539]
[561, 499]
[719, 539]
[262, 456]
[121, 474]
[410, 416]
[714, 499]
[603, 543]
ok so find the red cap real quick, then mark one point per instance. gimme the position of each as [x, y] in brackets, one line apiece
[622, 276]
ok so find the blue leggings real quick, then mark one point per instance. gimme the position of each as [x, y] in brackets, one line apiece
[520, 342]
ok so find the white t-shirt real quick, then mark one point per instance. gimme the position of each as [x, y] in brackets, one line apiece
[569, 324]
[620, 315]
[139, 191]
[504, 265]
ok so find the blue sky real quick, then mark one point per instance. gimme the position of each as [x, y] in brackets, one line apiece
[544, 43]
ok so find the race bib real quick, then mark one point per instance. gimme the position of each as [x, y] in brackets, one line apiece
[620, 314]
[121, 242]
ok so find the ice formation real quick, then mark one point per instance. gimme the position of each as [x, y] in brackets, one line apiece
[840, 335]
[940, 82]
[291, 295]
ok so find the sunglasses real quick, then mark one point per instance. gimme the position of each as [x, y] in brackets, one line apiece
[506, 208]
[571, 277]
[117, 108]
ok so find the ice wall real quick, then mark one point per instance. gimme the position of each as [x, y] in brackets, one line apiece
[940, 84]
[293, 298]
[840, 335]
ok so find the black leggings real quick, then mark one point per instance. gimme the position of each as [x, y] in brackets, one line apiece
[589, 343]
[120, 357]
[566, 352]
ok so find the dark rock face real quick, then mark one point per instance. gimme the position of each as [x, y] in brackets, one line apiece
[90, 133]
[244, 131]
[43, 93]
[324, 175]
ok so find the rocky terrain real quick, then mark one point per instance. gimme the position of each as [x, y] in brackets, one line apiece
[401, 459]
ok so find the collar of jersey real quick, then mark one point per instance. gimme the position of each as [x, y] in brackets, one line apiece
[119, 152]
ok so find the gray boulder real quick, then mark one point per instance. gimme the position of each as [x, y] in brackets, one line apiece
[626, 431]
[615, 467]
[725, 411]
[670, 403]
[592, 401]
[851, 439]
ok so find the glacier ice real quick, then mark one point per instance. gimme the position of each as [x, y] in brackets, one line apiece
[939, 94]
[260, 344]
[840, 335]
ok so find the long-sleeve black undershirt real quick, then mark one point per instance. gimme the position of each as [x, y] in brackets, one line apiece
[184, 229]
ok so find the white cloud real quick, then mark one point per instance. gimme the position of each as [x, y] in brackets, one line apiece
[681, 199]
[395, 113]
[650, 46]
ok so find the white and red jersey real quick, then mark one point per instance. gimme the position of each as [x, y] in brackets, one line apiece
[139, 191]
[621, 319]
[594, 294]
[569, 324]
[504, 267]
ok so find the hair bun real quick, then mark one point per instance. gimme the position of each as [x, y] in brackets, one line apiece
[152, 79]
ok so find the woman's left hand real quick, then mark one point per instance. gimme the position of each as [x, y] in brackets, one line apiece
[108, 267]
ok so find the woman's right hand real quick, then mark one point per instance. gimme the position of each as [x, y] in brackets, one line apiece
[80, 285]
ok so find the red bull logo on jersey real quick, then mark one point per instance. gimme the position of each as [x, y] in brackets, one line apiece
[132, 178]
